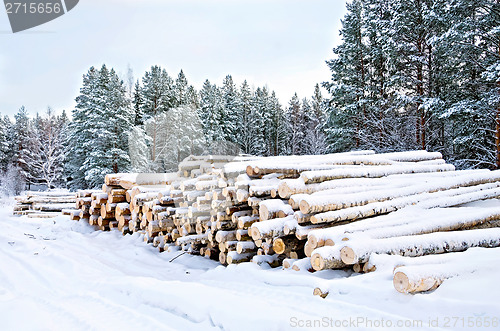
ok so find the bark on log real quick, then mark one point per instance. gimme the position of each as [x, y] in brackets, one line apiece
[432, 243]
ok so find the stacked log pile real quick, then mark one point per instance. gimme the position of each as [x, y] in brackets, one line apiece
[44, 204]
[301, 212]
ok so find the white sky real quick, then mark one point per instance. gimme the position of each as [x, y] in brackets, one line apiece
[279, 43]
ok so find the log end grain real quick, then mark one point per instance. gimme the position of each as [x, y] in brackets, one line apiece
[348, 256]
[279, 246]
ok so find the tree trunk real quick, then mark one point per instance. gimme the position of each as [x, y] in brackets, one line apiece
[432, 243]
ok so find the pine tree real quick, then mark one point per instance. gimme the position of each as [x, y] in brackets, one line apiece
[181, 90]
[231, 104]
[138, 105]
[21, 141]
[4, 143]
[472, 46]
[258, 118]
[45, 151]
[101, 119]
[245, 124]
[347, 109]
[315, 136]
[211, 114]
[119, 118]
[296, 125]
[279, 140]
[81, 130]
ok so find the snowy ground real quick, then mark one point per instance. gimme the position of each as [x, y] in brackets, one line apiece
[61, 275]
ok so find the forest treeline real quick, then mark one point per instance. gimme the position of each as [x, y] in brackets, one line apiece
[421, 74]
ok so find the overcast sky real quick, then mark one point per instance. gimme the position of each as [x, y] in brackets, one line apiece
[279, 43]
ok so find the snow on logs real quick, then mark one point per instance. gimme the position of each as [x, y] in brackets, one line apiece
[45, 204]
[302, 211]
[426, 273]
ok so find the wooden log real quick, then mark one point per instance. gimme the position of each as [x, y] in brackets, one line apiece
[371, 172]
[236, 215]
[234, 257]
[327, 257]
[446, 198]
[274, 261]
[287, 244]
[123, 208]
[222, 236]
[247, 221]
[432, 243]
[222, 258]
[330, 202]
[319, 292]
[428, 272]
[270, 228]
[287, 263]
[106, 214]
[408, 222]
[303, 264]
[116, 198]
[269, 209]
[52, 207]
[246, 247]
[93, 219]
[242, 235]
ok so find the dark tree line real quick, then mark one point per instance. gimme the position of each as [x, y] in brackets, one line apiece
[418, 74]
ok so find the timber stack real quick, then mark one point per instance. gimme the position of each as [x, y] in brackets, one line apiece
[44, 204]
[303, 212]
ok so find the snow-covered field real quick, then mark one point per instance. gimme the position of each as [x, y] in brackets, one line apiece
[61, 275]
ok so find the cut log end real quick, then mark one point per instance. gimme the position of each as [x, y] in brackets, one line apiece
[401, 282]
[279, 246]
[348, 256]
[304, 207]
[318, 292]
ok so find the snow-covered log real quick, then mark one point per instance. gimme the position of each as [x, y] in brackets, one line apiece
[371, 172]
[432, 243]
[322, 203]
[422, 276]
[287, 244]
[269, 228]
[408, 221]
[272, 208]
[445, 198]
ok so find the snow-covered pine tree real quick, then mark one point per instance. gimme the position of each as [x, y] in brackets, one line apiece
[119, 118]
[296, 125]
[138, 107]
[279, 124]
[97, 138]
[346, 107]
[183, 136]
[5, 158]
[192, 97]
[471, 70]
[139, 144]
[81, 130]
[158, 97]
[315, 136]
[258, 118]
[157, 92]
[244, 125]
[231, 104]
[21, 141]
[45, 153]
[211, 114]
[181, 89]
